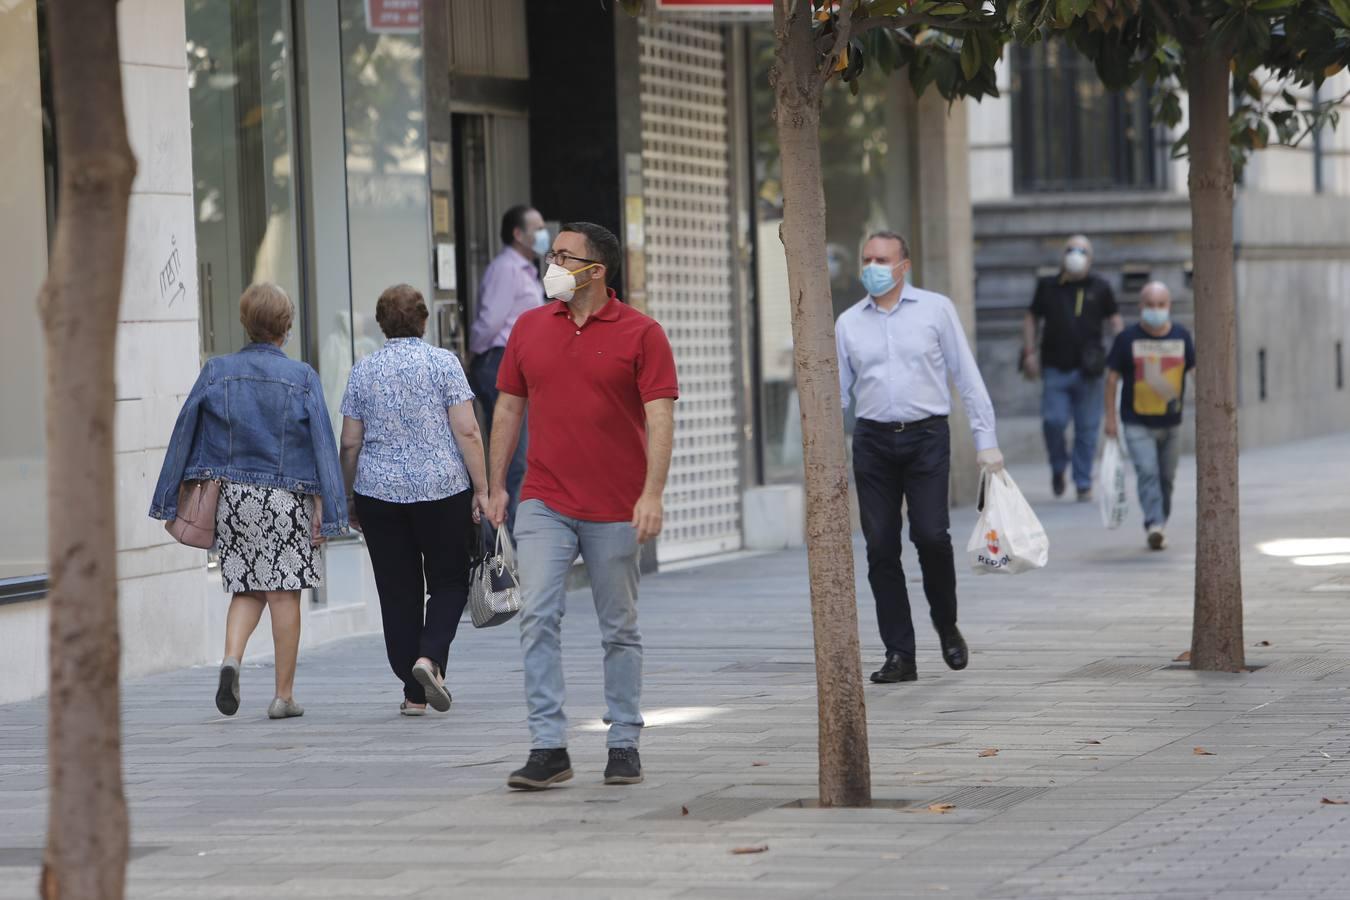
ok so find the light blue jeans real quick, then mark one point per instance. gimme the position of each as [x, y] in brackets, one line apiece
[1070, 396]
[1155, 452]
[547, 543]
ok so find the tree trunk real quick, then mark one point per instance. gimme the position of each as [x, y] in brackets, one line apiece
[1216, 636]
[845, 774]
[87, 821]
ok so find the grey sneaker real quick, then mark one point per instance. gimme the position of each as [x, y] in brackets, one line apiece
[284, 709]
[227, 691]
[438, 698]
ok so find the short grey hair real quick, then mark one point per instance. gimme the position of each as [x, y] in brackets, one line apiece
[891, 236]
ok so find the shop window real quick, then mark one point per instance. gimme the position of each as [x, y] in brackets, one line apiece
[859, 166]
[27, 210]
[387, 191]
[1071, 134]
[240, 78]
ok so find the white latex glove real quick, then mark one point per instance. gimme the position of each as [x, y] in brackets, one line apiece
[990, 460]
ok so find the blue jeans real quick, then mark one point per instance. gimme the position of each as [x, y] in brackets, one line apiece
[1155, 452]
[483, 380]
[1070, 396]
[547, 543]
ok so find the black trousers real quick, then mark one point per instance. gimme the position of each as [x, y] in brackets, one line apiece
[420, 554]
[911, 465]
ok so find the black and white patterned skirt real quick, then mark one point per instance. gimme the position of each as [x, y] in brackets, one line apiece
[263, 538]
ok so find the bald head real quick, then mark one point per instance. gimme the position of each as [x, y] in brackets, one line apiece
[1155, 295]
[1079, 242]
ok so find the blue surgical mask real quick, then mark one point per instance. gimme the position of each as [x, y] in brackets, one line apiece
[1155, 318]
[541, 242]
[878, 278]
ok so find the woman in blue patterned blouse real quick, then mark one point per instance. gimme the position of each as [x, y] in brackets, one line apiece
[412, 456]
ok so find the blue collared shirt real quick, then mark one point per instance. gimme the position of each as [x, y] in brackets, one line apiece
[511, 287]
[897, 363]
[402, 394]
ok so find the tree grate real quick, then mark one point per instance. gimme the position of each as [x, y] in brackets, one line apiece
[1111, 670]
[716, 809]
[1315, 666]
[986, 796]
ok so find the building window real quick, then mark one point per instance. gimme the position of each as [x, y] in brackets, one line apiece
[240, 79]
[1072, 134]
[27, 205]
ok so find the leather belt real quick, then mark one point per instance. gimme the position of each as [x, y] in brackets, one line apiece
[902, 426]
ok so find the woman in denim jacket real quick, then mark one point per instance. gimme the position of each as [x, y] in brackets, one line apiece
[256, 421]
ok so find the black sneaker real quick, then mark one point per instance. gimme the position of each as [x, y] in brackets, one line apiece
[1057, 483]
[544, 769]
[625, 766]
[897, 668]
[227, 692]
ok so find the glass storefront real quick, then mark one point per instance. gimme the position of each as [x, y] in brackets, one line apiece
[387, 190]
[240, 65]
[855, 138]
[25, 213]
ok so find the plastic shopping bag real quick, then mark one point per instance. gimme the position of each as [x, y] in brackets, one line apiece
[1008, 538]
[1115, 502]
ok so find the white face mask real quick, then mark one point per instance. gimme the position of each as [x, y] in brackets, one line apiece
[541, 242]
[560, 284]
[1075, 262]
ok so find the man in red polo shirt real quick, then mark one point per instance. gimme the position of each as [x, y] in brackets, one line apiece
[599, 380]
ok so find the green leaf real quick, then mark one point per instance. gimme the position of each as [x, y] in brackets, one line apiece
[956, 9]
[1273, 5]
[970, 57]
[1342, 10]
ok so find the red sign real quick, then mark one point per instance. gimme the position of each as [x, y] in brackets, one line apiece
[716, 6]
[394, 16]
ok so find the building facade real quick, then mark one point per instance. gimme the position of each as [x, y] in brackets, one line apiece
[1057, 154]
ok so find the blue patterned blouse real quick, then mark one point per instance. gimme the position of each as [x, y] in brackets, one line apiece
[401, 395]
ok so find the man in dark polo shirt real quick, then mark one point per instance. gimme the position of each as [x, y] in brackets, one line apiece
[1071, 308]
[598, 378]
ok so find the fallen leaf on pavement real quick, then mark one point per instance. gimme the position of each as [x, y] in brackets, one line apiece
[1201, 751]
[941, 807]
[1184, 657]
[684, 810]
[992, 751]
[1263, 643]
[759, 764]
[741, 851]
[1090, 741]
[1329, 802]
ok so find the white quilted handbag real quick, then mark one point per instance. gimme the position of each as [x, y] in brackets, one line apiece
[494, 585]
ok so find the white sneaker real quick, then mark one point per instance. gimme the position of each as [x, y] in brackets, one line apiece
[1156, 538]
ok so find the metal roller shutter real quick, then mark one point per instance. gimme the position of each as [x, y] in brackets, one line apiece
[687, 185]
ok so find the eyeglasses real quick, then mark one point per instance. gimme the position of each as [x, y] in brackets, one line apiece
[562, 258]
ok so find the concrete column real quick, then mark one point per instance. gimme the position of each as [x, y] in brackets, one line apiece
[929, 201]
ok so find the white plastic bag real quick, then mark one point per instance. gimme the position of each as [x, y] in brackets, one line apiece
[1111, 494]
[1008, 538]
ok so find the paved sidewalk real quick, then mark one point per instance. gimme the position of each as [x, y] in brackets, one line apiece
[1096, 789]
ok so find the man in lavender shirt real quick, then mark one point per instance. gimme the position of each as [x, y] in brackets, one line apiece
[510, 288]
[898, 348]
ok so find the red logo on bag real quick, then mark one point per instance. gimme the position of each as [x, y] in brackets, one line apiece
[991, 541]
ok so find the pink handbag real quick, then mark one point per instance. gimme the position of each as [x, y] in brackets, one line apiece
[195, 525]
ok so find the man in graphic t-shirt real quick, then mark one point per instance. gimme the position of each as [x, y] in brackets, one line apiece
[1150, 361]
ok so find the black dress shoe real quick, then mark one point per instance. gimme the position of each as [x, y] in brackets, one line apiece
[544, 769]
[896, 668]
[1057, 483]
[954, 649]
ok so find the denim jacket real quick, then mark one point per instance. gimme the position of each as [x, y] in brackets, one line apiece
[255, 417]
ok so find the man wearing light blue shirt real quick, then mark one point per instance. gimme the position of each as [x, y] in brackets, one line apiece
[898, 348]
[510, 288]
